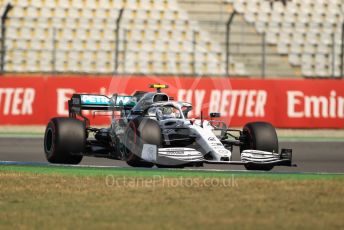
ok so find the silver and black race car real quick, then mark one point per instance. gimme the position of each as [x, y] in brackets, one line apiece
[150, 128]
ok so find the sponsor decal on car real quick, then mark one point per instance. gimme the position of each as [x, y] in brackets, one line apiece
[223, 151]
[178, 151]
[94, 100]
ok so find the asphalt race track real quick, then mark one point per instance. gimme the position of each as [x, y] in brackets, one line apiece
[309, 156]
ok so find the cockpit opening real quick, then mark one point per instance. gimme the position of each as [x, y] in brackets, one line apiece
[165, 112]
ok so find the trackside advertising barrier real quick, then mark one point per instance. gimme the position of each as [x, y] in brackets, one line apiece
[284, 103]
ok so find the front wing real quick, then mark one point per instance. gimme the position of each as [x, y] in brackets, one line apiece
[186, 156]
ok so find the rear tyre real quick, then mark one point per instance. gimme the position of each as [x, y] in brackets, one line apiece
[64, 141]
[260, 136]
[141, 131]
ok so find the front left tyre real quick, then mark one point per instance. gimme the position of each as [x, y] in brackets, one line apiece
[260, 136]
[140, 131]
[64, 141]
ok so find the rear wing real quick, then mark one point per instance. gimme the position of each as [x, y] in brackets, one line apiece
[80, 102]
[97, 102]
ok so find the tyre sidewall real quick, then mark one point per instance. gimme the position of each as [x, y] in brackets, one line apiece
[68, 140]
[260, 136]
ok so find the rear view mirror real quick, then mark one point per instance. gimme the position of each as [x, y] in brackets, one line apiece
[214, 115]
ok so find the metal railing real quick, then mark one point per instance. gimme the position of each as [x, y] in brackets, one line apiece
[4, 17]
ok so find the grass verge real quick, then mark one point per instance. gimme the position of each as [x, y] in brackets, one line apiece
[89, 198]
[140, 172]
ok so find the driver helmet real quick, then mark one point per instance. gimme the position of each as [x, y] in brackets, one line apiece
[168, 112]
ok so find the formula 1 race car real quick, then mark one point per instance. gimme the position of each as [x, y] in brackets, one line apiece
[150, 128]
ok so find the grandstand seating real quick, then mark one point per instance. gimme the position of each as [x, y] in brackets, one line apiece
[79, 36]
[159, 36]
[308, 31]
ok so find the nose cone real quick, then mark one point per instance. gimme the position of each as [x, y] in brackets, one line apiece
[221, 154]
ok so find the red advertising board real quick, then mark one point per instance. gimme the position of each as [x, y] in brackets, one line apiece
[285, 103]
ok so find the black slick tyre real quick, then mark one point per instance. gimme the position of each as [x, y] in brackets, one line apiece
[260, 136]
[64, 141]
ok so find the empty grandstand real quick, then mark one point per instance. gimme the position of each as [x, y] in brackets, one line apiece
[185, 37]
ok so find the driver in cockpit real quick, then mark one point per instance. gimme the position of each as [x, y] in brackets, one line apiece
[163, 113]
